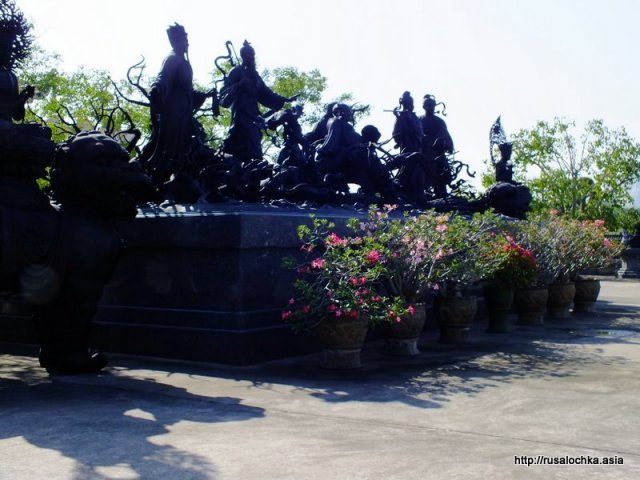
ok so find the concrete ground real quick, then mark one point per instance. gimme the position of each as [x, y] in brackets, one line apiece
[568, 391]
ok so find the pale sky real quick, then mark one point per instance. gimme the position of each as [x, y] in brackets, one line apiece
[526, 60]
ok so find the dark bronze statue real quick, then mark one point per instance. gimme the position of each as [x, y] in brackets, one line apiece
[243, 92]
[506, 196]
[412, 177]
[175, 136]
[437, 144]
[345, 157]
[498, 140]
[58, 259]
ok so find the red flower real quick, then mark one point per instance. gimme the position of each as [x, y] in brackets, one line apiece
[286, 315]
[373, 257]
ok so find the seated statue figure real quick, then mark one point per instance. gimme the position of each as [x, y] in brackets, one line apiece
[345, 157]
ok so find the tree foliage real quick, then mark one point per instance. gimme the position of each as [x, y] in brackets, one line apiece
[586, 177]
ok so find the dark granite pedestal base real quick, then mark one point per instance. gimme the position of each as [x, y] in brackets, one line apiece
[207, 284]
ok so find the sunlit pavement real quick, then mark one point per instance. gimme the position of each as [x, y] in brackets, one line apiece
[568, 391]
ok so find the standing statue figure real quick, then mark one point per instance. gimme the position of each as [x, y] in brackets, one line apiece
[174, 131]
[243, 91]
[408, 136]
[437, 144]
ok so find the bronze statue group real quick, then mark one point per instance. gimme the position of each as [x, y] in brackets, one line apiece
[332, 164]
[59, 249]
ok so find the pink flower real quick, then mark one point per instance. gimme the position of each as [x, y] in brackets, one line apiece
[441, 228]
[338, 313]
[286, 315]
[292, 301]
[376, 298]
[335, 240]
[332, 308]
[598, 223]
[317, 263]
[373, 257]
[398, 319]
[306, 309]
[411, 309]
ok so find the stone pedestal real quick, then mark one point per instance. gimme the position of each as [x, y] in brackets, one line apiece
[206, 283]
[630, 267]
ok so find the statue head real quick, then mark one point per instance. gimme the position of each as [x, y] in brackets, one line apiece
[406, 101]
[178, 38]
[370, 134]
[429, 104]
[341, 110]
[248, 54]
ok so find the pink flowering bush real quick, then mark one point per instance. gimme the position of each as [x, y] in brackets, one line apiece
[340, 280]
[470, 251]
[591, 248]
[563, 246]
[408, 249]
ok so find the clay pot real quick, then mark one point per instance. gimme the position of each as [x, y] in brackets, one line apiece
[560, 299]
[401, 338]
[531, 304]
[586, 295]
[341, 342]
[498, 301]
[455, 316]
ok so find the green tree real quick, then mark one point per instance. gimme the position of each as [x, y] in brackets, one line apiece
[585, 177]
[83, 99]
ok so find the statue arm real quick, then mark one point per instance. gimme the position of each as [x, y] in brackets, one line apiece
[269, 98]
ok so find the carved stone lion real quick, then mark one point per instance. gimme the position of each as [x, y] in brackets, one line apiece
[61, 258]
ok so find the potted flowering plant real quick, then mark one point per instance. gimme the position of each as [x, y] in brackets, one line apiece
[508, 266]
[339, 293]
[409, 248]
[465, 244]
[593, 250]
[537, 235]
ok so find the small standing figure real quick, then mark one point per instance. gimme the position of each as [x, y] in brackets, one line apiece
[437, 144]
[243, 92]
[407, 134]
[173, 103]
[503, 167]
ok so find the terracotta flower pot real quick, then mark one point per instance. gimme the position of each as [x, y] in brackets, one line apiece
[455, 316]
[587, 292]
[341, 342]
[498, 301]
[402, 337]
[560, 299]
[531, 304]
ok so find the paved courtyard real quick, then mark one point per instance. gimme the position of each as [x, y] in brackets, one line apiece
[566, 392]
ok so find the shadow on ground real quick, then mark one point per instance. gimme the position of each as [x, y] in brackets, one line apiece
[110, 432]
